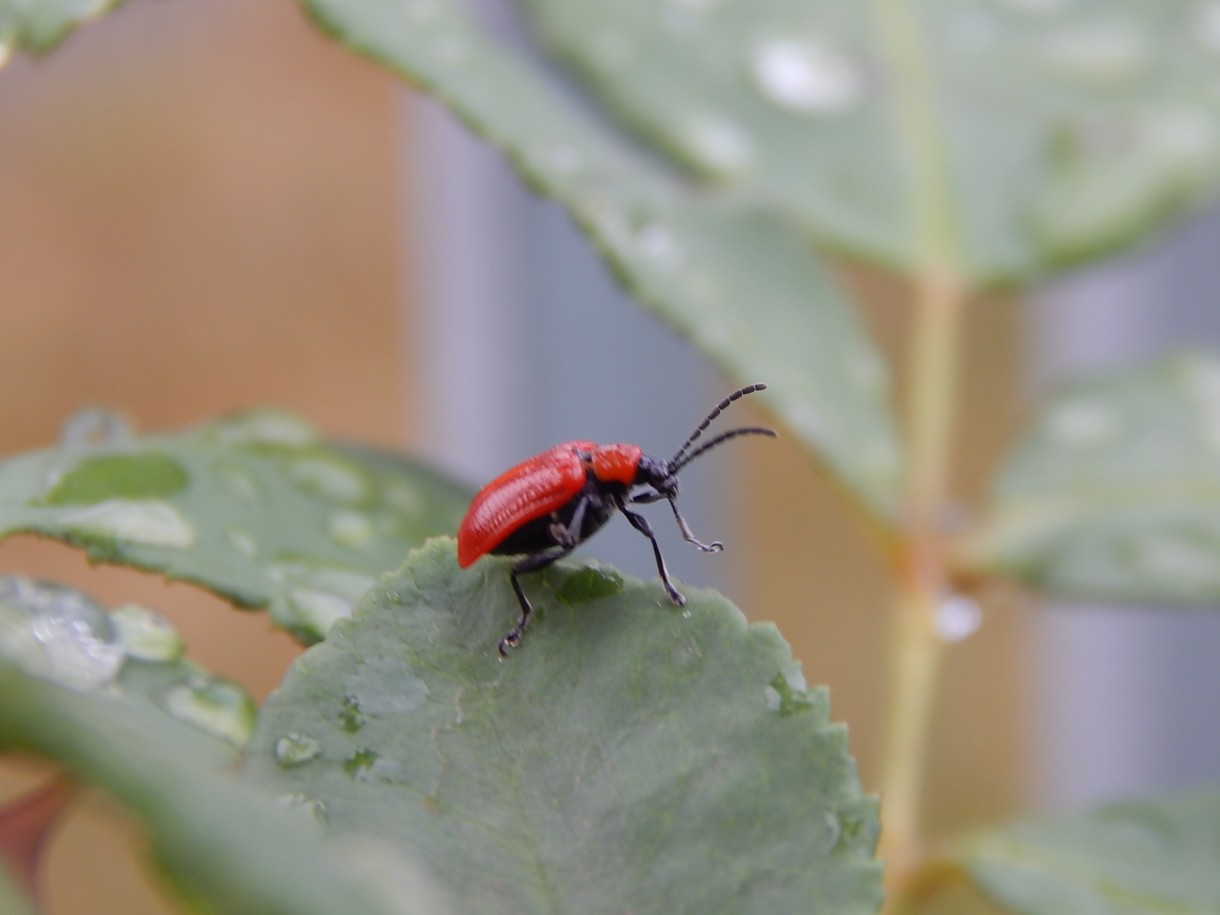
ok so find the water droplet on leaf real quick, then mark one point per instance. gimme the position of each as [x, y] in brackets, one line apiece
[656, 244]
[351, 529]
[807, 77]
[219, 707]
[94, 427]
[55, 632]
[243, 542]
[316, 808]
[351, 715]
[718, 144]
[318, 596]
[330, 478]
[359, 764]
[144, 523]
[293, 750]
[264, 427]
[145, 634]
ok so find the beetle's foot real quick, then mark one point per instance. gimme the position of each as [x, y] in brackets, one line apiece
[676, 596]
[510, 641]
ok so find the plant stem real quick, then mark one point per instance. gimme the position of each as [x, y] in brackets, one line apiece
[921, 577]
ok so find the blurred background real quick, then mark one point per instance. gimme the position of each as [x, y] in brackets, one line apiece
[207, 206]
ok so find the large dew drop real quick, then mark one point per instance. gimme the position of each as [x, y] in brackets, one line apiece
[807, 77]
[55, 632]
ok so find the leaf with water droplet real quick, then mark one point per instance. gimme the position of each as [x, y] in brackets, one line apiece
[811, 88]
[229, 847]
[731, 271]
[613, 763]
[255, 507]
[1114, 491]
[133, 655]
[1136, 858]
[296, 750]
[145, 634]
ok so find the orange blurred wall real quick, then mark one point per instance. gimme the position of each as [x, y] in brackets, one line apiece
[200, 213]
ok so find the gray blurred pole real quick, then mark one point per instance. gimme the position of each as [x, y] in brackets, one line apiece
[1125, 698]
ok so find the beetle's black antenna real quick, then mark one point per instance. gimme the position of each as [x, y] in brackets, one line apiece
[719, 439]
[676, 461]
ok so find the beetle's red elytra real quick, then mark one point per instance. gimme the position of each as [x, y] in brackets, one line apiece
[545, 507]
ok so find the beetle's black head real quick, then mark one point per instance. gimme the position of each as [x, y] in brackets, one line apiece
[658, 475]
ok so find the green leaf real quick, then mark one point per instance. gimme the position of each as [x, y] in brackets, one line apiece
[734, 276]
[39, 25]
[110, 697]
[1115, 490]
[630, 756]
[13, 899]
[228, 847]
[1145, 858]
[1069, 129]
[255, 508]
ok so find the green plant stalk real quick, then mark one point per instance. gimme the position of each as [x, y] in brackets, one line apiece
[921, 580]
[920, 574]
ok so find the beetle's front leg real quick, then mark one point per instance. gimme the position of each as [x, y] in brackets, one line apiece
[640, 523]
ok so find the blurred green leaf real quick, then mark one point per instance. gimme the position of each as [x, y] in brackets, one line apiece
[39, 25]
[256, 508]
[13, 900]
[1070, 128]
[1143, 858]
[630, 756]
[729, 273]
[228, 847]
[134, 654]
[1115, 490]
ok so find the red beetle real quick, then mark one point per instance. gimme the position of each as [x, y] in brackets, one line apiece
[546, 506]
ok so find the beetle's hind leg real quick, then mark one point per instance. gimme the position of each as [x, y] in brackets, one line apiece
[567, 538]
[530, 563]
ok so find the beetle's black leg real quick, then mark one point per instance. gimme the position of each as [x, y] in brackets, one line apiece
[714, 547]
[567, 537]
[640, 523]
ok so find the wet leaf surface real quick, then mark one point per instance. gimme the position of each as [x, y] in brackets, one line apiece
[630, 756]
[1114, 491]
[256, 508]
